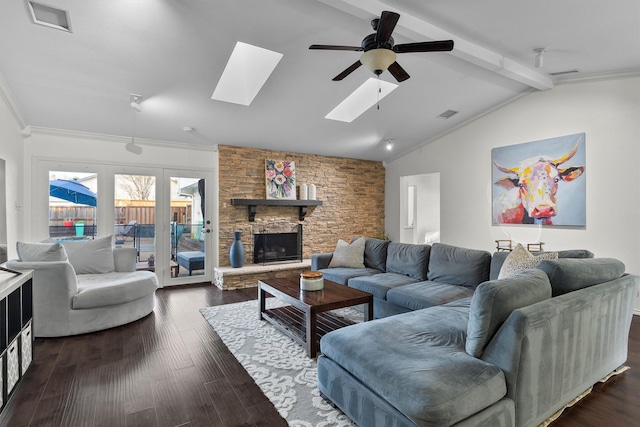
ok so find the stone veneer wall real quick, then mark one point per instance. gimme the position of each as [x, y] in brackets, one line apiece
[352, 193]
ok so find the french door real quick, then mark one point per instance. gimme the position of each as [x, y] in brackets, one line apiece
[166, 214]
[163, 213]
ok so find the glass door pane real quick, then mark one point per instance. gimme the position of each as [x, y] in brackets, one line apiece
[188, 226]
[135, 216]
[73, 198]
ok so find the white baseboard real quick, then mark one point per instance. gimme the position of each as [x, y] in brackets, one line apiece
[636, 311]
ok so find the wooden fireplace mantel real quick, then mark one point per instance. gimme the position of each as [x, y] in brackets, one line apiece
[252, 205]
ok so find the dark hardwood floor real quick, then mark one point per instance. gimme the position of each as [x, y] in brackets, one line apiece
[171, 369]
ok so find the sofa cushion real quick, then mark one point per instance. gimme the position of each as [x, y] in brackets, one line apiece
[458, 266]
[342, 275]
[494, 301]
[101, 290]
[348, 255]
[498, 259]
[407, 259]
[421, 295]
[37, 252]
[375, 253]
[568, 275]
[521, 259]
[422, 354]
[91, 256]
[379, 284]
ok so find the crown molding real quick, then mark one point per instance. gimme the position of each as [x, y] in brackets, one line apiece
[7, 97]
[598, 76]
[98, 137]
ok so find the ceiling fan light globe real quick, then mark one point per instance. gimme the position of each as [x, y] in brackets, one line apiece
[378, 60]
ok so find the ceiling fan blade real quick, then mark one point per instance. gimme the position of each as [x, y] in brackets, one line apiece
[387, 23]
[398, 72]
[331, 47]
[348, 71]
[437, 46]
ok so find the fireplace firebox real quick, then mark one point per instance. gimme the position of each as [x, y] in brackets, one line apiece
[277, 243]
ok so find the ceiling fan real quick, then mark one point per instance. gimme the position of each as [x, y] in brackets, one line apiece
[380, 52]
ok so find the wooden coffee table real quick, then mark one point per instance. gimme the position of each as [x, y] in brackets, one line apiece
[306, 320]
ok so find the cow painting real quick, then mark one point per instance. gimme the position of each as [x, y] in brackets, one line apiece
[530, 190]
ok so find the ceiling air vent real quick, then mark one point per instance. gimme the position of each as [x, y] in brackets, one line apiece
[49, 16]
[447, 114]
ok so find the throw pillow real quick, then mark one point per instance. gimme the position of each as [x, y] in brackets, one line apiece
[91, 256]
[29, 252]
[348, 255]
[521, 259]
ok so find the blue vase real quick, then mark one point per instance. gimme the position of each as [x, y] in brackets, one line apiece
[236, 253]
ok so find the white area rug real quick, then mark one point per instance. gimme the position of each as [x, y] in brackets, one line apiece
[277, 364]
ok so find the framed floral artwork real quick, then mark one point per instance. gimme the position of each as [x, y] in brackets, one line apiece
[280, 177]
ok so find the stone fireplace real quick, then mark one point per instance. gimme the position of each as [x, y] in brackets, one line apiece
[277, 243]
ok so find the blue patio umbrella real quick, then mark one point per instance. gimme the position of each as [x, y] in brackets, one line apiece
[72, 191]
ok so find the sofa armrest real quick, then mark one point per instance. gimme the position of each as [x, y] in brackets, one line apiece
[54, 285]
[552, 351]
[321, 261]
[124, 259]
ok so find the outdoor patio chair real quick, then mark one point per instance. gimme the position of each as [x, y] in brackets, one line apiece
[125, 233]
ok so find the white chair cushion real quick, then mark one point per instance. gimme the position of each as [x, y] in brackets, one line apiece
[101, 290]
[91, 256]
[36, 252]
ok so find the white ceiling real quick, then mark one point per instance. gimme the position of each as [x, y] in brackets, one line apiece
[174, 51]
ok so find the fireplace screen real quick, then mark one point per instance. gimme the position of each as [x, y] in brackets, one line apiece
[276, 243]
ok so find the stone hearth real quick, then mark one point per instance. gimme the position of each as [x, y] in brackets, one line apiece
[227, 278]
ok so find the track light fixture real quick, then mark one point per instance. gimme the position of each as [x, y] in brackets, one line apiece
[135, 102]
[539, 61]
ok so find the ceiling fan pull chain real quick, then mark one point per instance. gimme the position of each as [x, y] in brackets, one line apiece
[379, 91]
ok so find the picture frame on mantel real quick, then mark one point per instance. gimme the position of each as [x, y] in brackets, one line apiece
[280, 179]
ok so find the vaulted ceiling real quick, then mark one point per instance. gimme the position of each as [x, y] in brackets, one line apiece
[173, 53]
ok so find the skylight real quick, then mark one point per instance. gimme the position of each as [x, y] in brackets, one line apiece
[49, 16]
[248, 69]
[363, 98]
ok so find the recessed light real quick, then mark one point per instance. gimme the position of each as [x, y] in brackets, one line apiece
[247, 71]
[447, 114]
[363, 98]
[49, 16]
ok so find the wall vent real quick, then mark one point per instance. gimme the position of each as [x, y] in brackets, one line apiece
[447, 114]
[49, 16]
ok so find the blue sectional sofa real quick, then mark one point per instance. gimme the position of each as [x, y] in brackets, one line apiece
[508, 352]
[403, 277]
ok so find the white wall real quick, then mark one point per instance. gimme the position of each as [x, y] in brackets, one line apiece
[607, 110]
[11, 150]
[89, 152]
